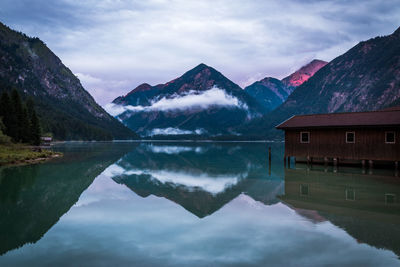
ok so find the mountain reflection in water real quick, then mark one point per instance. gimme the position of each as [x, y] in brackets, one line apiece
[200, 179]
[141, 198]
[33, 198]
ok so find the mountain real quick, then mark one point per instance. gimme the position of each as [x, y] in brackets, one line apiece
[271, 92]
[304, 73]
[65, 108]
[365, 78]
[200, 102]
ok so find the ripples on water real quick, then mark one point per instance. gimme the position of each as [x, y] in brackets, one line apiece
[195, 204]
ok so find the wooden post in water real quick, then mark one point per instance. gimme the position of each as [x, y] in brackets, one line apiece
[288, 162]
[269, 155]
[284, 161]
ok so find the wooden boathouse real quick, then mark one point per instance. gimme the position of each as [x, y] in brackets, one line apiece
[352, 137]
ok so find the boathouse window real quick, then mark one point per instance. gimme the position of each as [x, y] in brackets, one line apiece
[350, 137]
[304, 189]
[304, 137]
[350, 194]
[389, 138]
[390, 198]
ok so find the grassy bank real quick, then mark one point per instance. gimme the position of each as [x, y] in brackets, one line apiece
[18, 154]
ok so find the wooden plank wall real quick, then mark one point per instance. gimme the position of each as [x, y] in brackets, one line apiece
[331, 143]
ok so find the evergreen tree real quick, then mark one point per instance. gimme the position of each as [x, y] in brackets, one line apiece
[2, 126]
[26, 135]
[30, 105]
[6, 110]
[4, 139]
[35, 129]
[21, 122]
[17, 116]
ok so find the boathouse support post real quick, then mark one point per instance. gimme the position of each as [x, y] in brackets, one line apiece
[284, 161]
[371, 164]
[363, 163]
[288, 161]
[335, 164]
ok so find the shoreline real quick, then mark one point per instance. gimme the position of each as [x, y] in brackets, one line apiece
[19, 155]
[171, 141]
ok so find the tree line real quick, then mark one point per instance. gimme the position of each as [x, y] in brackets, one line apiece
[19, 119]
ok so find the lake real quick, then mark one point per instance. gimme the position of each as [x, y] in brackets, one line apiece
[197, 204]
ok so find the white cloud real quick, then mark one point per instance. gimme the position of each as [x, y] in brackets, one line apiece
[213, 184]
[88, 79]
[193, 99]
[174, 131]
[114, 109]
[207, 183]
[173, 150]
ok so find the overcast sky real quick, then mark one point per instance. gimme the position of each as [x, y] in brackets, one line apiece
[113, 46]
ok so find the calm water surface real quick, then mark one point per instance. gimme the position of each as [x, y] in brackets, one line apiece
[209, 204]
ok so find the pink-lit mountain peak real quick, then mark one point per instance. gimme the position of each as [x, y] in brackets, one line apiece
[304, 73]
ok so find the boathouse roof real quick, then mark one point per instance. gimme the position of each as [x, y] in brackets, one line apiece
[386, 117]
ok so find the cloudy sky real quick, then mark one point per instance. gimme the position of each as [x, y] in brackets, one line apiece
[113, 46]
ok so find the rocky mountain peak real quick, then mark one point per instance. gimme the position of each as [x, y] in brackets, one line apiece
[269, 80]
[304, 73]
[396, 33]
[141, 88]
